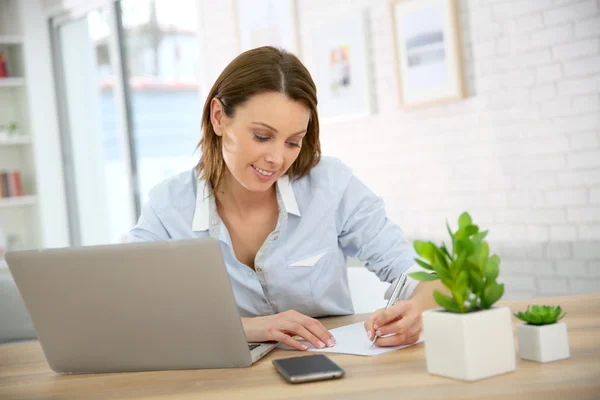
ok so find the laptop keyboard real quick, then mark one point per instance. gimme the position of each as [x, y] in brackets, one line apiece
[252, 346]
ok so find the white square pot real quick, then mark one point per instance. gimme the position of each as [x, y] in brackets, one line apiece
[543, 343]
[469, 346]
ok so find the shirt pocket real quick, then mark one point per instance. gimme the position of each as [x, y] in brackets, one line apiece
[308, 261]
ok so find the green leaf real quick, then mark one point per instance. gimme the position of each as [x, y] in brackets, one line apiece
[461, 282]
[464, 220]
[423, 264]
[492, 268]
[476, 281]
[446, 302]
[425, 249]
[451, 235]
[424, 276]
[471, 230]
[445, 251]
[478, 237]
[442, 272]
[492, 294]
[465, 244]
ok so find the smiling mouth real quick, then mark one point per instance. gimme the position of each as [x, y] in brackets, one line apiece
[262, 171]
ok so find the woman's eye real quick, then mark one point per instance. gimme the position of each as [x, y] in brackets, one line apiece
[292, 144]
[260, 138]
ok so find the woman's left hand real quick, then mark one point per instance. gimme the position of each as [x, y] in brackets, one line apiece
[403, 320]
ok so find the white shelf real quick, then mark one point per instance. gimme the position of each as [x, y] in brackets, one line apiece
[12, 82]
[17, 201]
[3, 265]
[17, 141]
[11, 39]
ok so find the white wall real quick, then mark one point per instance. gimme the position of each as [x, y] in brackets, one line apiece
[521, 153]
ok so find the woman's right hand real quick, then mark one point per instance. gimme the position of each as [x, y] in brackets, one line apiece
[284, 326]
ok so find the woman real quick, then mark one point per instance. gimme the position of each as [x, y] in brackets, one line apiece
[286, 218]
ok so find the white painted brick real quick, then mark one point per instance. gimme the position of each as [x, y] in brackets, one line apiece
[557, 285]
[594, 268]
[580, 178]
[570, 12]
[585, 103]
[519, 283]
[563, 232]
[547, 215]
[537, 233]
[589, 232]
[558, 107]
[528, 23]
[512, 45]
[548, 73]
[582, 286]
[589, 250]
[527, 198]
[515, 268]
[534, 58]
[528, 188]
[566, 197]
[587, 27]
[512, 295]
[568, 268]
[583, 214]
[595, 196]
[484, 49]
[543, 92]
[581, 141]
[587, 159]
[558, 250]
[509, 97]
[519, 78]
[579, 86]
[582, 48]
[582, 66]
[523, 252]
[551, 36]
[543, 268]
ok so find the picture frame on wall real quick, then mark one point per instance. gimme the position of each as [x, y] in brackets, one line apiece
[267, 23]
[342, 67]
[428, 51]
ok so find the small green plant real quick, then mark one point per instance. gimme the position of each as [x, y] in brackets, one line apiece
[541, 315]
[468, 271]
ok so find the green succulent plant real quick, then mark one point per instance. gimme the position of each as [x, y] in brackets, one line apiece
[541, 315]
[468, 271]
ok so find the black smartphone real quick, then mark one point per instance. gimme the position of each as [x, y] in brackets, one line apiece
[308, 368]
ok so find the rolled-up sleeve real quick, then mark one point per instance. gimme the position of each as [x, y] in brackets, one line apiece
[149, 227]
[365, 231]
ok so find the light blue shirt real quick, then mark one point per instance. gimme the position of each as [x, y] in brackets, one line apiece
[324, 218]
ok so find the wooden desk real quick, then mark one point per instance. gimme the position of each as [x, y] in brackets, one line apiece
[24, 373]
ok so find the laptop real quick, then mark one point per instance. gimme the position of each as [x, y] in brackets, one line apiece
[134, 307]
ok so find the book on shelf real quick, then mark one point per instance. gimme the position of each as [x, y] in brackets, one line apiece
[10, 184]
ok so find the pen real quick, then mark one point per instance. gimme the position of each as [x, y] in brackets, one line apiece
[393, 299]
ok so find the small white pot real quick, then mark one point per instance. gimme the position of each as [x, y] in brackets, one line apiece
[543, 343]
[469, 346]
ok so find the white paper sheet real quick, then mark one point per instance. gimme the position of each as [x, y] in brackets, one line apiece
[352, 339]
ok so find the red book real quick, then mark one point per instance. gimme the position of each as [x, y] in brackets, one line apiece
[16, 175]
[3, 69]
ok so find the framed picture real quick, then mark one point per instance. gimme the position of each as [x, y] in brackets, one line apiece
[428, 51]
[267, 23]
[342, 67]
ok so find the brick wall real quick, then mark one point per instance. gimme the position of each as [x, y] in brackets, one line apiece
[521, 153]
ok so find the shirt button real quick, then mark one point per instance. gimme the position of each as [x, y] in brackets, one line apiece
[275, 237]
[250, 274]
[214, 222]
[258, 269]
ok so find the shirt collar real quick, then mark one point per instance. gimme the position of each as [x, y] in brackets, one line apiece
[203, 201]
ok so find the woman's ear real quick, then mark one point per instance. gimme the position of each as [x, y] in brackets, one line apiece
[217, 116]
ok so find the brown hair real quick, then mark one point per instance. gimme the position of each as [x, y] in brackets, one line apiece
[260, 70]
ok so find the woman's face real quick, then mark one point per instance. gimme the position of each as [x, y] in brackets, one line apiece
[263, 139]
